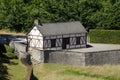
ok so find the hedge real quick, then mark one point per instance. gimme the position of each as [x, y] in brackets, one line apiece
[104, 36]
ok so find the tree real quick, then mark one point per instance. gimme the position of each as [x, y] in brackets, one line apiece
[18, 15]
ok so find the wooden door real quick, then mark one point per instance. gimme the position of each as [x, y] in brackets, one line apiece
[65, 41]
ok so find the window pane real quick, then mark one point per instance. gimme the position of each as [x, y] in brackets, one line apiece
[53, 42]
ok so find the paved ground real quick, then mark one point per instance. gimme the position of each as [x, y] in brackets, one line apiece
[98, 47]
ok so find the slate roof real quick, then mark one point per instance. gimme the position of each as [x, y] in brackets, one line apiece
[61, 28]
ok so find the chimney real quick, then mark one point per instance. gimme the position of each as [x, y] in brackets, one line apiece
[36, 22]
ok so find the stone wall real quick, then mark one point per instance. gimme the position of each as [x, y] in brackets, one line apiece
[19, 47]
[70, 57]
[83, 59]
[64, 57]
[102, 57]
[37, 56]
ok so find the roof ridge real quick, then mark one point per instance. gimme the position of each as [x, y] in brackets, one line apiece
[61, 22]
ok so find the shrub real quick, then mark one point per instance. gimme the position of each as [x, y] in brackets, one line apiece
[9, 52]
[9, 49]
[104, 36]
[11, 55]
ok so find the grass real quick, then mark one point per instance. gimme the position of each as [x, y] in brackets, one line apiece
[65, 72]
[15, 70]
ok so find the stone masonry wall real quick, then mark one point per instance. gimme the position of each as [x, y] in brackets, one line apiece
[19, 48]
[64, 57]
[102, 57]
[83, 59]
[70, 57]
[37, 56]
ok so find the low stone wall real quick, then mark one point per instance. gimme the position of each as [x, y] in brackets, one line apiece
[71, 57]
[20, 48]
[37, 56]
[83, 59]
[64, 57]
[102, 57]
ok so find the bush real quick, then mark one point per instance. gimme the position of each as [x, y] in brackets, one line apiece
[11, 55]
[9, 49]
[9, 52]
[105, 36]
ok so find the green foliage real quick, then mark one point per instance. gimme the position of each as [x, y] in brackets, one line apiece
[5, 56]
[18, 15]
[105, 36]
[6, 53]
[3, 72]
[9, 49]
[9, 52]
[11, 55]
